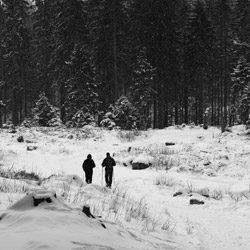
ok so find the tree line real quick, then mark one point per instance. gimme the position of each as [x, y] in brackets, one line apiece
[143, 64]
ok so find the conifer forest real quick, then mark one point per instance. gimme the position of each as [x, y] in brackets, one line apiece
[127, 63]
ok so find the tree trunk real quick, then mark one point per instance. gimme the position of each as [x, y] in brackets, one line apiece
[115, 55]
[186, 103]
[15, 106]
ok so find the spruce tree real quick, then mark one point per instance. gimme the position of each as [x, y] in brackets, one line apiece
[224, 35]
[142, 89]
[156, 30]
[43, 19]
[2, 67]
[198, 54]
[45, 114]
[108, 26]
[240, 90]
[242, 26]
[81, 104]
[125, 114]
[68, 31]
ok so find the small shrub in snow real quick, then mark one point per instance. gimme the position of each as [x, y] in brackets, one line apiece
[126, 136]
[217, 194]
[155, 149]
[13, 186]
[163, 162]
[64, 150]
[22, 174]
[86, 132]
[136, 210]
[30, 122]
[190, 187]
[151, 223]
[236, 197]
[163, 180]
[168, 225]
[189, 227]
[161, 156]
[129, 135]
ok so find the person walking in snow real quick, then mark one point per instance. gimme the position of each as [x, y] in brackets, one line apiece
[87, 167]
[108, 163]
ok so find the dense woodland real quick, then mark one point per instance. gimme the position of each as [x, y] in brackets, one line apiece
[130, 63]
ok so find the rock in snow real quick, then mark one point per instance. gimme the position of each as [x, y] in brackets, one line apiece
[142, 161]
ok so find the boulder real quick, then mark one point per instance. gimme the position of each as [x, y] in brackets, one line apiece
[20, 138]
[205, 126]
[142, 161]
[139, 165]
[177, 193]
[31, 148]
[12, 131]
[196, 202]
[184, 192]
[29, 141]
[70, 137]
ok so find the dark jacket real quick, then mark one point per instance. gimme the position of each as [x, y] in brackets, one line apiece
[88, 164]
[108, 162]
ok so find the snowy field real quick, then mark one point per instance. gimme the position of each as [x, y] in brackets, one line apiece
[145, 209]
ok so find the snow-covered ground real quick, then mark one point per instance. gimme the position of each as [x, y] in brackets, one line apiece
[145, 209]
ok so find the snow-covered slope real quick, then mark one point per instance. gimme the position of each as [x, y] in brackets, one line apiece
[141, 210]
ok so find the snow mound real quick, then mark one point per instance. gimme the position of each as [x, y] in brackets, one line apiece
[40, 198]
[53, 225]
[125, 161]
[145, 159]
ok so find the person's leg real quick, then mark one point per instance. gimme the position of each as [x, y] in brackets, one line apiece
[86, 176]
[109, 181]
[106, 177]
[90, 176]
[110, 177]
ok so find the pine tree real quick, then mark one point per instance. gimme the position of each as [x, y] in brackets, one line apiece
[142, 89]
